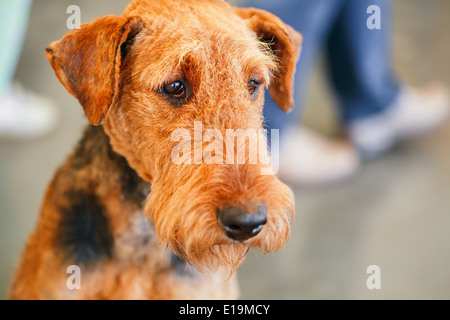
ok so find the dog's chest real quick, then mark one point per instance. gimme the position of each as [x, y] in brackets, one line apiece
[137, 241]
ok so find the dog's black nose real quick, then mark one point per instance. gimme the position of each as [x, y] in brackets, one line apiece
[240, 225]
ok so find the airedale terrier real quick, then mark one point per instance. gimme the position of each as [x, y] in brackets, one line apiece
[161, 66]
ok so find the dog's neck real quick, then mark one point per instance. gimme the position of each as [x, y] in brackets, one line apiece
[95, 147]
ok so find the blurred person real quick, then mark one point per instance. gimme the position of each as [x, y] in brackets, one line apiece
[23, 114]
[376, 109]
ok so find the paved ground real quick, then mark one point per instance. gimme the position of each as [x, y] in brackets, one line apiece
[395, 213]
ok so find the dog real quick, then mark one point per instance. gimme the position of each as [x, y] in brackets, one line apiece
[134, 223]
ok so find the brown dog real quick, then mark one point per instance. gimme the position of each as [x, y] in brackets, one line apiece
[163, 65]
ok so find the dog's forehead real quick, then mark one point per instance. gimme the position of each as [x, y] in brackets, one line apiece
[152, 9]
[203, 32]
[192, 21]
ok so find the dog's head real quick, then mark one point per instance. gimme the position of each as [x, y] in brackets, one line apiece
[175, 84]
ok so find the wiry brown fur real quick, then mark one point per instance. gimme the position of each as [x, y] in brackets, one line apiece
[116, 67]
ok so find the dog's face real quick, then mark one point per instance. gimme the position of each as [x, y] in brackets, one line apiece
[171, 81]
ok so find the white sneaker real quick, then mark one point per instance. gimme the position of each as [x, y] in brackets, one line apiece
[415, 112]
[309, 159]
[25, 115]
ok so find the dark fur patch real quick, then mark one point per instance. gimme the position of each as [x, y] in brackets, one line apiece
[84, 232]
[95, 145]
[132, 186]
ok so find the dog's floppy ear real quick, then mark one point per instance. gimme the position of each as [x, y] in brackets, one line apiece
[87, 62]
[285, 43]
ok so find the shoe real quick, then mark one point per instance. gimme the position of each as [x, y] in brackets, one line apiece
[309, 159]
[25, 115]
[414, 113]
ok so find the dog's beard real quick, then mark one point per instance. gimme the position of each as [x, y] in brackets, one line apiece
[186, 220]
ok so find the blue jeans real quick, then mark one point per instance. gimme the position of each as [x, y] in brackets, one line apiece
[358, 59]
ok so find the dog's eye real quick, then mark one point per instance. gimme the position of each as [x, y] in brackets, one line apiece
[253, 86]
[176, 90]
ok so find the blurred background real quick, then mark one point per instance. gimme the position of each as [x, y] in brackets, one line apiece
[394, 213]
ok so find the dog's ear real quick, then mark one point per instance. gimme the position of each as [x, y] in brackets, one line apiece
[285, 43]
[87, 61]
